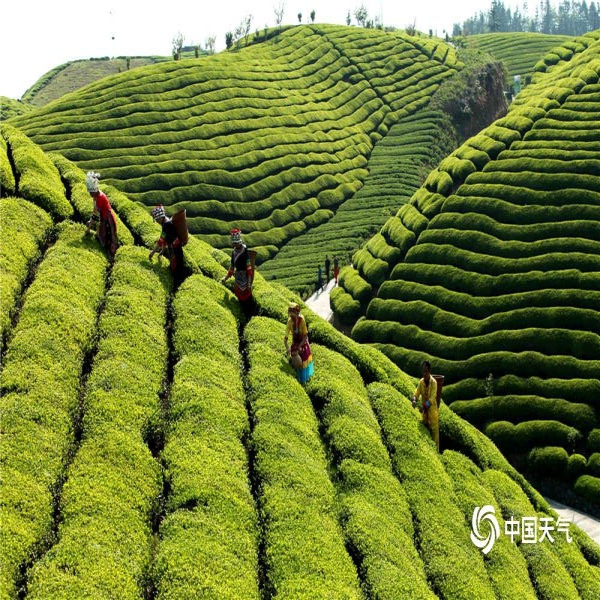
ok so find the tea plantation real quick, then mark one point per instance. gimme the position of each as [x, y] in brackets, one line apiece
[274, 138]
[157, 445]
[492, 271]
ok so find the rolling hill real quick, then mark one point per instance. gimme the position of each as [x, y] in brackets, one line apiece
[154, 444]
[274, 138]
[492, 270]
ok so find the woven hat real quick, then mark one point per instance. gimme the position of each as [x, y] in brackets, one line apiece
[158, 212]
[293, 307]
[91, 181]
[235, 236]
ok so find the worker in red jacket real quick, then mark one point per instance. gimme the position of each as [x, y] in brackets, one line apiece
[103, 219]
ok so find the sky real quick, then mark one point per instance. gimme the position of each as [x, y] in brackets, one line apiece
[36, 37]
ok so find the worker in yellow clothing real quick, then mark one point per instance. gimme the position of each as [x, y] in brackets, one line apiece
[427, 391]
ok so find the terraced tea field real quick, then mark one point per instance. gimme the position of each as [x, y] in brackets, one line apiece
[492, 271]
[274, 138]
[155, 444]
[519, 51]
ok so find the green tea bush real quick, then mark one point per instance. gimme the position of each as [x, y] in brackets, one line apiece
[40, 385]
[27, 227]
[519, 408]
[355, 285]
[7, 177]
[527, 434]
[374, 270]
[39, 180]
[576, 465]
[593, 464]
[441, 534]
[354, 439]
[593, 441]
[505, 565]
[304, 545]
[345, 307]
[549, 460]
[556, 582]
[209, 538]
[588, 487]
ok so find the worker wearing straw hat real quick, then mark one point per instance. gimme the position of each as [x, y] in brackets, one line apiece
[299, 352]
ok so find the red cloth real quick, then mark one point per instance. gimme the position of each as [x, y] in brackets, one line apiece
[102, 205]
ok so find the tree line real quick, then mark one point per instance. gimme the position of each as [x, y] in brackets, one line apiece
[570, 17]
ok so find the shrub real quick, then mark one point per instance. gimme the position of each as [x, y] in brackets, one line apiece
[40, 386]
[593, 464]
[588, 487]
[550, 460]
[209, 537]
[527, 434]
[346, 308]
[576, 465]
[355, 285]
[27, 227]
[593, 441]
[304, 546]
[39, 180]
[441, 533]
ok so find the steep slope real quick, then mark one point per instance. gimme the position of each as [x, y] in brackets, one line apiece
[501, 289]
[273, 138]
[155, 444]
[520, 52]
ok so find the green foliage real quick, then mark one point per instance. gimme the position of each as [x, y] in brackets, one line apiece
[40, 385]
[576, 465]
[593, 441]
[209, 538]
[367, 485]
[25, 228]
[527, 434]
[345, 307]
[7, 177]
[39, 180]
[517, 408]
[588, 487]
[440, 528]
[304, 547]
[549, 460]
[506, 566]
[593, 464]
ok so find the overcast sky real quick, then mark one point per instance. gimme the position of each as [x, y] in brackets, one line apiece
[38, 36]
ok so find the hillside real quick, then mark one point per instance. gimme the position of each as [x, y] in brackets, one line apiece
[519, 52]
[76, 74]
[492, 270]
[274, 138]
[156, 445]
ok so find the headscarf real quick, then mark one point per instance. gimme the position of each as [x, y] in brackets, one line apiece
[158, 212]
[235, 236]
[91, 181]
[294, 308]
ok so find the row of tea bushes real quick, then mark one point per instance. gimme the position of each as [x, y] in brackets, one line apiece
[81, 200]
[114, 483]
[506, 566]
[375, 515]
[40, 385]
[209, 535]
[25, 229]
[557, 569]
[38, 178]
[8, 184]
[305, 553]
[453, 565]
